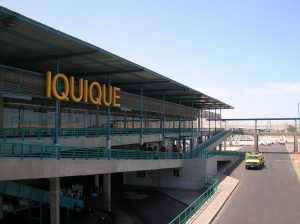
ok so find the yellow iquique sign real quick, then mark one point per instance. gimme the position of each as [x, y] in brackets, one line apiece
[104, 96]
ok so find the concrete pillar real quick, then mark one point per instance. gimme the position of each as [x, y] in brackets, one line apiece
[96, 177]
[225, 145]
[220, 146]
[230, 141]
[1, 208]
[54, 200]
[256, 143]
[107, 192]
[296, 144]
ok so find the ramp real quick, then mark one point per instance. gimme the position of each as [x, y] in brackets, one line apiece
[203, 150]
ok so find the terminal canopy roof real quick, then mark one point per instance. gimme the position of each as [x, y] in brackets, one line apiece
[30, 45]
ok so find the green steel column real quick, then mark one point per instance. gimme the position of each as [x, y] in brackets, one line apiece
[198, 125]
[220, 118]
[215, 120]
[201, 125]
[1, 109]
[97, 117]
[108, 122]
[57, 107]
[209, 123]
[192, 118]
[141, 116]
[179, 116]
[164, 115]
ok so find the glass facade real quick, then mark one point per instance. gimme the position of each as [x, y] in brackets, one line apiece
[41, 114]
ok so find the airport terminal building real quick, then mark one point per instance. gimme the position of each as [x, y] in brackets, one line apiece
[74, 117]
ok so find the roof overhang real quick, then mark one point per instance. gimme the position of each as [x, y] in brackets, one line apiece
[30, 45]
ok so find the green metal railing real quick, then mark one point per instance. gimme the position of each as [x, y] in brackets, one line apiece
[187, 213]
[208, 179]
[65, 132]
[25, 150]
[204, 150]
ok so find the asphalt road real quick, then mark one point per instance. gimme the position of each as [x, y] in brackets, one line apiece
[267, 196]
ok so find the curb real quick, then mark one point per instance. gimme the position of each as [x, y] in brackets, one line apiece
[216, 214]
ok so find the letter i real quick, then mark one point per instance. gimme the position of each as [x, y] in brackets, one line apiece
[48, 84]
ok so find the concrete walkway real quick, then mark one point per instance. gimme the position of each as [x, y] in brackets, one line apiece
[184, 196]
[207, 213]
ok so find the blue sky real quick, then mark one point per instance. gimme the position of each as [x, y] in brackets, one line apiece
[245, 53]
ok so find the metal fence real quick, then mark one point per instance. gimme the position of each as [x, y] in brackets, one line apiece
[65, 132]
[187, 213]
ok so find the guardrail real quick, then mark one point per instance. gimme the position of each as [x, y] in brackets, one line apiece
[65, 132]
[187, 213]
[25, 150]
[203, 150]
[208, 179]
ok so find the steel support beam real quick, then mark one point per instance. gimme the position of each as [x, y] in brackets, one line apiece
[50, 57]
[108, 123]
[57, 107]
[215, 120]
[192, 118]
[201, 125]
[117, 72]
[164, 116]
[220, 118]
[179, 116]
[209, 123]
[141, 115]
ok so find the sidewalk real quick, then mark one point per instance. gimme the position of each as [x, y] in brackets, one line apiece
[295, 158]
[184, 196]
[214, 205]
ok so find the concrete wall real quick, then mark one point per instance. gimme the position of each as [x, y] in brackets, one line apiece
[13, 169]
[191, 172]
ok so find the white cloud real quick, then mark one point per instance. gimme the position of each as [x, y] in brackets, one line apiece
[286, 87]
[274, 88]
